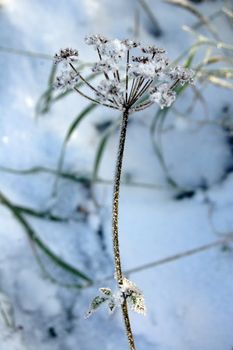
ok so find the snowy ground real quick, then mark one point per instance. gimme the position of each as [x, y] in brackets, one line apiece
[189, 297]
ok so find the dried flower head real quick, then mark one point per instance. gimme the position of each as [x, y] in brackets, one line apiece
[131, 44]
[128, 79]
[163, 95]
[95, 40]
[104, 66]
[66, 80]
[182, 74]
[113, 49]
[110, 90]
[153, 50]
[66, 56]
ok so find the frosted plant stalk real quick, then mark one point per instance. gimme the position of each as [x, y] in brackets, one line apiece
[134, 78]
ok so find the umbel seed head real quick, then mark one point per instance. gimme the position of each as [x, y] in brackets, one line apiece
[133, 76]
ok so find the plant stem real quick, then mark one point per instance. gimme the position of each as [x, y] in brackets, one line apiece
[115, 216]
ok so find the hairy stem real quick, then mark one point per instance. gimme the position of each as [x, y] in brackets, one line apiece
[115, 216]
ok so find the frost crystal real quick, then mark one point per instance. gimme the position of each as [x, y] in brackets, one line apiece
[163, 95]
[154, 50]
[66, 56]
[130, 82]
[95, 304]
[95, 40]
[104, 66]
[114, 49]
[147, 67]
[182, 74]
[109, 90]
[131, 44]
[67, 80]
[106, 291]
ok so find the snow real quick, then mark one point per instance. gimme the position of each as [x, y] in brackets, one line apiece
[189, 299]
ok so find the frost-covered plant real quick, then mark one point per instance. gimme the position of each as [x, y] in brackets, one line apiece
[128, 291]
[134, 78]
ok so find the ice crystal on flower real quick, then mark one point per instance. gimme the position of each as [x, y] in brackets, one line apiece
[114, 49]
[163, 95]
[146, 70]
[104, 66]
[95, 40]
[127, 79]
[131, 44]
[184, 75]
[66, 56]
[109, 90]
[66, 80]
[154, 50]
[147, 67]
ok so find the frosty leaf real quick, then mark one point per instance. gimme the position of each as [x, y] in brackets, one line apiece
[134, 296]
[95, 304]
[113, 300]
[137, 303]
[106, 291]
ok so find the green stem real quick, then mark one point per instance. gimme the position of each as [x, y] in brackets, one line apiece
[115, 217]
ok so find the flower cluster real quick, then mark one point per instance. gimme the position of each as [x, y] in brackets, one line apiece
[110, 90]
[135, 76]
[163, 95]
[66, 56]
[127, 291]
[66, 80]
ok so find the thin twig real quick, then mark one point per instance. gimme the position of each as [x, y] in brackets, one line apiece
[127, 77]
[93, 100]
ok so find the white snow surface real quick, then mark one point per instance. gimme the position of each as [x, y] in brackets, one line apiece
[189, 298]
